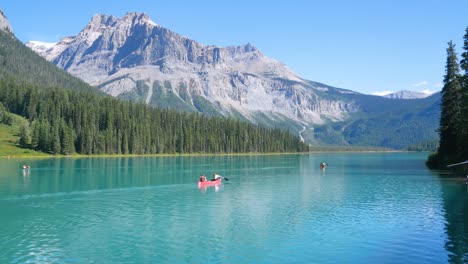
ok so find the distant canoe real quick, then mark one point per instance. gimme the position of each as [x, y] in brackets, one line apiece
[208, 183]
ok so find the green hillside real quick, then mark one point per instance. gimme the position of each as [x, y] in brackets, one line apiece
[20, 62]
[10, 135]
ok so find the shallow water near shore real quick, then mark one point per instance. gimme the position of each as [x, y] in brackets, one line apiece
[363, 208]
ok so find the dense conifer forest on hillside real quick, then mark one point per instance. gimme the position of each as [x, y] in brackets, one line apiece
[64, 122]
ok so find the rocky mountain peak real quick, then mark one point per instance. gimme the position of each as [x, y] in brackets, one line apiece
[243, 52]
[249, 48]
[4, 24]
[131, 19]
[138, 18]
[101, 20]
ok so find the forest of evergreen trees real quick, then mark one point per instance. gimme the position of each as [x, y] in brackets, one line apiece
[65, 121]
[453, 128]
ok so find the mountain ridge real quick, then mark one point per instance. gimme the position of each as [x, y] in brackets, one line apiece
[234, 79]
[134, 58]
[406, 94]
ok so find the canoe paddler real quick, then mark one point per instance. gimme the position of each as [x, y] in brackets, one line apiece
[216, 176]
[323, 165]
[203, 178]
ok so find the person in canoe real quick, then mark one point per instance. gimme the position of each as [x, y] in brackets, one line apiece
[26, 170]
[203, 178]
[216, 177]
[323, 165]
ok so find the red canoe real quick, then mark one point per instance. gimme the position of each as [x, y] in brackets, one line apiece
[208, 183]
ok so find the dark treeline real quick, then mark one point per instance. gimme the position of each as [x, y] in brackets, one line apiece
[66, 121]
[453, 128]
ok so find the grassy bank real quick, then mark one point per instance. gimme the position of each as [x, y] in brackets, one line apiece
[9, 136]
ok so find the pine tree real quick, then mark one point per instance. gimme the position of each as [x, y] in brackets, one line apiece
[66, 139]
[3, 114]
[464, 60]
[451, 108]
[24, 139]
[35, 135]
[463, 136]
[55, 145]
[44, 137]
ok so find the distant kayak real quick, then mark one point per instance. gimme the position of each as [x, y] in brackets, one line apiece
[208, 183]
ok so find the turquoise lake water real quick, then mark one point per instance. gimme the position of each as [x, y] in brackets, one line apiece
[364, 208]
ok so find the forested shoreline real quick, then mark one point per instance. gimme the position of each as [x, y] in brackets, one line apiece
[64, 122]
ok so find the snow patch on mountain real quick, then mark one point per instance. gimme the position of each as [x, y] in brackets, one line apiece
[49, 50]
[44, 45]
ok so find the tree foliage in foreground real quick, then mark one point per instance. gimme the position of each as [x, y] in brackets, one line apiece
[66, 121]
[453, 128]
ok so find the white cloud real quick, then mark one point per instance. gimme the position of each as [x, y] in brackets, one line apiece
[382, 93]
[423, 83]
[44, 44]
[438, 85]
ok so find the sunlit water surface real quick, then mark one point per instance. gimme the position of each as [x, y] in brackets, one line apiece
[364, 208]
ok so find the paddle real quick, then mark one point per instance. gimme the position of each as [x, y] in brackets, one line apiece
[223, 177]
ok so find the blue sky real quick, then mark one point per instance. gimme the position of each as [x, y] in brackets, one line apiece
[363, 45]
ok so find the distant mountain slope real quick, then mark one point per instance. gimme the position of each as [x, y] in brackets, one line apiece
[385, 122]
[407, 95]
[134, 58]
[396, 124]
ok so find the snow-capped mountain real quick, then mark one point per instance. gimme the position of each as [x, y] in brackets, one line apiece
[408, 95]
